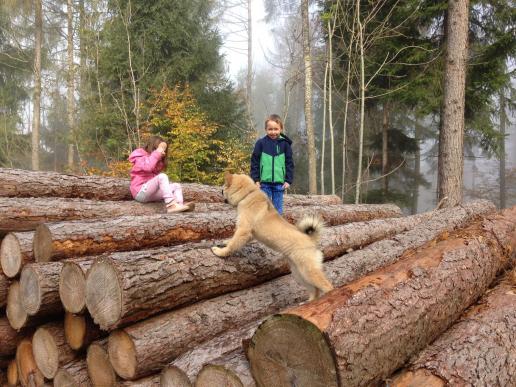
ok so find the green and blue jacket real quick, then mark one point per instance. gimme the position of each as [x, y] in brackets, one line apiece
[271, 161]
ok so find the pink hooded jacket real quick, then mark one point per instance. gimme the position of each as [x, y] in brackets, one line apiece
[145, 167]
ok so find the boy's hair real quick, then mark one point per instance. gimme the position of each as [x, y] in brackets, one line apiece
[152, 144]
[276, 119]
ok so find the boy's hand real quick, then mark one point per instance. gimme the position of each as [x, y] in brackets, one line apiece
[286, 185]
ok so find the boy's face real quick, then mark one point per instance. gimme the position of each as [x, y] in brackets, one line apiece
[273, 129]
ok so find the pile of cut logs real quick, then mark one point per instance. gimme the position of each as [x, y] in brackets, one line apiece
[99, 290]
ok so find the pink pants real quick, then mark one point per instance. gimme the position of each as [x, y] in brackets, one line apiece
[159, 188]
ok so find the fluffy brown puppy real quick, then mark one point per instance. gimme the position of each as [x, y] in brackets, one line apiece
[258, 219]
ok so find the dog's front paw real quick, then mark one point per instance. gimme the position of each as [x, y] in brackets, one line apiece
[219, 251]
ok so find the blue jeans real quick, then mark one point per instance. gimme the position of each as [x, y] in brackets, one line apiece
[275, 192]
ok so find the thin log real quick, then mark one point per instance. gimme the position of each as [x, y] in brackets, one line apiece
[150, 345]
[126, 287]
[149, 381]
[80, 331]
[15, 251]
[9, 338]
[74, 238]
[50, 348]
[99, 368]
[72, 284]
[237, 363]
[16, 314]
[74, 373]
[358, 334]
[12, 374]
[28, 372]
[217, 375]
[39, 288]
[172, 376]
[480, 349]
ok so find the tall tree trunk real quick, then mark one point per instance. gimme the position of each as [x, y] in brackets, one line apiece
[385, 148]
[37, 83]
[330, 107]
[417, 168]
[307, 57]
[70, 86]
[323, 139]
[362, 105]
[249, 82]
[345, 123]
[451, 136]
[503, 120]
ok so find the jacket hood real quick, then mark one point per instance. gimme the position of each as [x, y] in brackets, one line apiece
[284, 137]
[140, 152]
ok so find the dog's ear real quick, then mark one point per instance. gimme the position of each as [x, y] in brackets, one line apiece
[228, 178]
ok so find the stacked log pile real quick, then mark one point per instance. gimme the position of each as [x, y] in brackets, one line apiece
[99, 290]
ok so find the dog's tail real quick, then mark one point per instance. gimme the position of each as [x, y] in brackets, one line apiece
[312, 225]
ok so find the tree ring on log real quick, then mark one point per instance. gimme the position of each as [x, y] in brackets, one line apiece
[288, 350]
[30, 290]
[103, 294]
[16, 314]
[45, 352]
[42, 244]
[216, 375]
[172, 376]
[99, 369]
[10, 255]
[122, 354]
[72, 287]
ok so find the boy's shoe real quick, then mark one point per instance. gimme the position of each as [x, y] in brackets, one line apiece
[174, 207]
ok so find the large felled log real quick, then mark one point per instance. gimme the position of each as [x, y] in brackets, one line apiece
[99, 368]
[360, 333]
[72, 284]
[16, 250]
[23, 183]
[119, 288]
[149, 345]
[28, 372]
[39, 288]
[71, 239]
[74, 373]
[480, 349]
[50, 348]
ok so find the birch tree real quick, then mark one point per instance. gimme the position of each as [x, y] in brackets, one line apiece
[70, 86]
[38, 41]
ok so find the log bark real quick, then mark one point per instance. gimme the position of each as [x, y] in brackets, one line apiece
[16, 250]
[28, 372]
[99, 368]
[71, 239]
[74, 373]
[130, 286]
[480, 349]
[50, 348]
[80, 331]
[72, 284]
[4, 289]
[360, 333]
[151, 344]
[9, 338]
[39, 288]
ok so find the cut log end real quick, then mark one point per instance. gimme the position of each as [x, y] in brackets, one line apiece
[28, 372]
[42, 244]
[45, 352]
[75, 330]
[287, 350]
[122, 354]
[12, 374]
[64, 379]
[11, 256]
[72, 287]
[417, 378]
[99, 369]
[172, 376]
[103, 294]
[16, 314]
[214, 375]
[30, 290]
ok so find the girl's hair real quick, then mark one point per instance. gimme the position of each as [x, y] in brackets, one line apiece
[276, 119]
[152, 144]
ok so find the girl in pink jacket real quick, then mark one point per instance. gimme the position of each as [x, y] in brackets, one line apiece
[148, 183]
